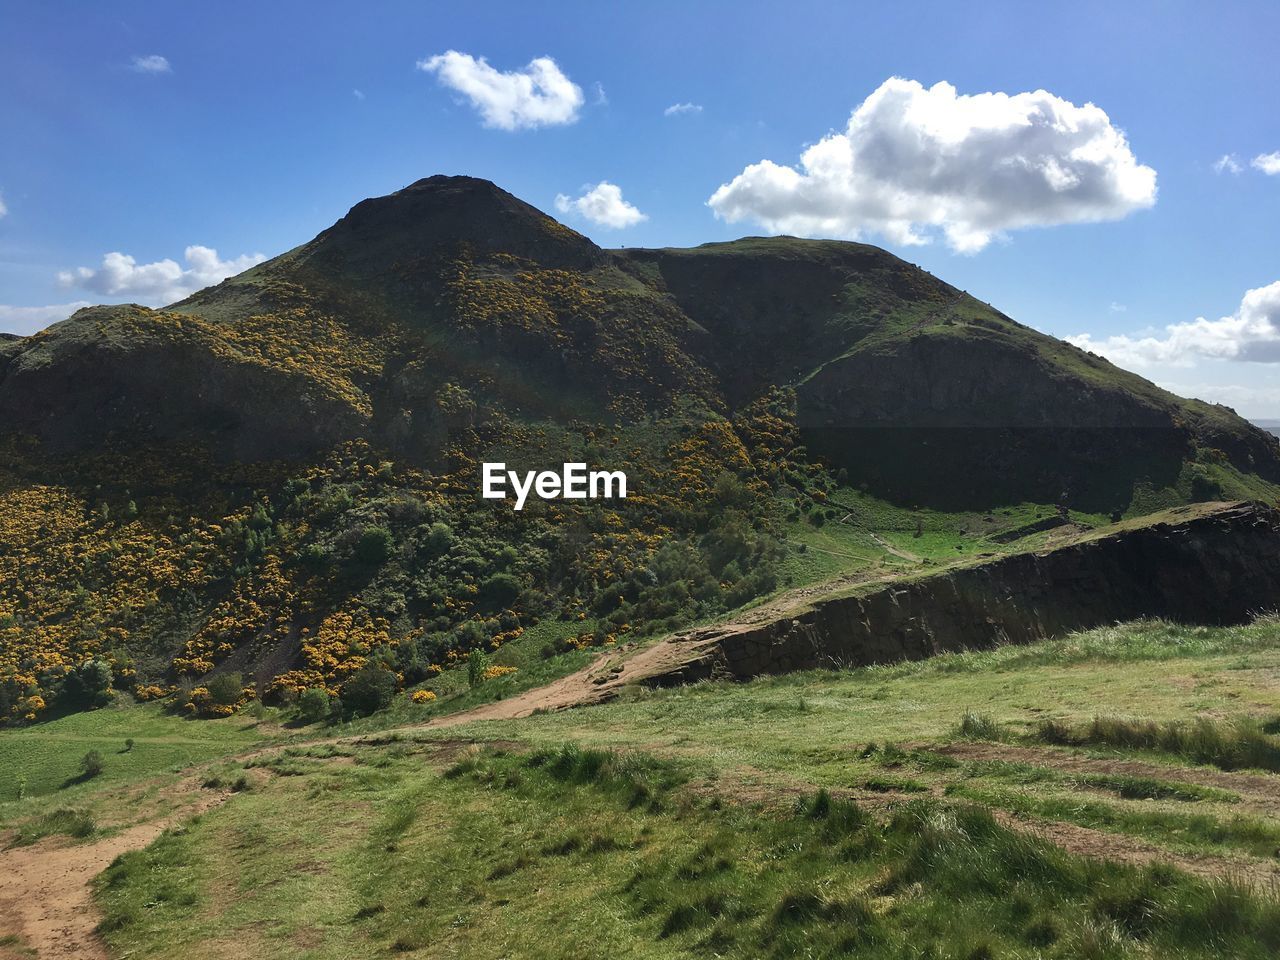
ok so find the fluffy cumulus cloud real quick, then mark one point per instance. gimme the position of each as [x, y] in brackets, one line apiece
[538, 95]
[161, 282]
[678, 108]
[1268, 163]
[28, 320]
[915, 160]
[151, 63]
[602, 205]
[1252, 333]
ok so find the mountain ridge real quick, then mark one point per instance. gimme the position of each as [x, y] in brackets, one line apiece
[867, 340]
[279, 475]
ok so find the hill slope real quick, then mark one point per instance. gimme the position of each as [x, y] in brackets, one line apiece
[278, 475]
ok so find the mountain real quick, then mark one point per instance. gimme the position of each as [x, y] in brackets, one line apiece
[279, 474]
[915, 387]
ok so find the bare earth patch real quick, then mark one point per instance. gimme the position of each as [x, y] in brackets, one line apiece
[45, 895]
[1101, 845]
[1260, 792]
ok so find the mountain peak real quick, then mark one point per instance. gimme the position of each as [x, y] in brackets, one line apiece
[442, 213]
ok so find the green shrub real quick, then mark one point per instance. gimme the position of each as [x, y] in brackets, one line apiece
[500, 590]
[313, 705]
[476, 663]
[91, 765]
[370, 689]
[88, 685]
[373, 548]
[439, 537]
[226, 689]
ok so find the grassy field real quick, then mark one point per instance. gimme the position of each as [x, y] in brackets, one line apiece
[44, 759]
[1083, 797]
[566, 852]
[814, 723]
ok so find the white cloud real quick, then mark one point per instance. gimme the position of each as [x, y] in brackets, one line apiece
[537, 95]
[28, 320]
[601, 98]
[1260, 402]
[162, 282]
[1252, 333]
[1117, 307]
[358, 94]
[1227, 163]
[4, 211]
[678, 108]
[602, 205]
[1268, 163]
[914, 160]
[152, 63]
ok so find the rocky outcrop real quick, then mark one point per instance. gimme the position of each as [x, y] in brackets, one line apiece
[1204, 564]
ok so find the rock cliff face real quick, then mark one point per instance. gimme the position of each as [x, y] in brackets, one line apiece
[1208, 564]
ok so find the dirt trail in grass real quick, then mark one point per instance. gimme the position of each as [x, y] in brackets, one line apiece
[895, 551]
[1100, 845]
[606, 676]
[46, 897]
[1259, 792]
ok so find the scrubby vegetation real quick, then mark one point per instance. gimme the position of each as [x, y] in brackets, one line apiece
[359, 561]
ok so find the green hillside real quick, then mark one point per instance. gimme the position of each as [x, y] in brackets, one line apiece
[275, 482]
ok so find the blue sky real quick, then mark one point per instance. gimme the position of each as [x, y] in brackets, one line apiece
[264, 123]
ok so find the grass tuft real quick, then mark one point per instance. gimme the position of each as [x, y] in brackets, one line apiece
[63, 822]
[977, 726]
[1229, 745]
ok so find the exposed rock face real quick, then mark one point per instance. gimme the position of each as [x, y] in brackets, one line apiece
[1198, 565]
[988, 407]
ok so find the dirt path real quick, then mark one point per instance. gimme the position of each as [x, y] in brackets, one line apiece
[46, 897]
[1258, 791]
[891, 549]
[598, 682]
[603, 679]
[1100, 845]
